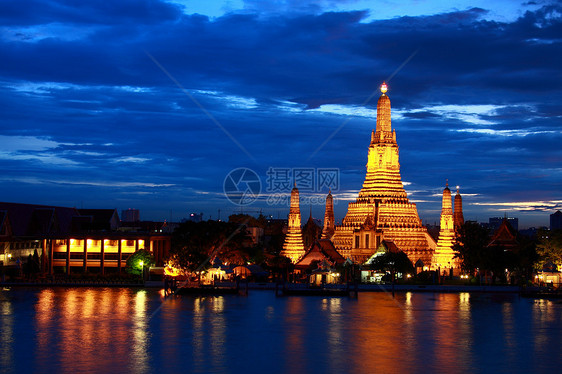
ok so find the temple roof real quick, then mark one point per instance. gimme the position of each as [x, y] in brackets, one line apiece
[322, 249]
[505, 236]
[32, 220]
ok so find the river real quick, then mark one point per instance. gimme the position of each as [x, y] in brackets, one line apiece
[83, 330]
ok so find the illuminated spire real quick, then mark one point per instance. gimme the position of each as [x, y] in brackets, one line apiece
[329, 228]
[444, 256]
[382, 210]
[293, 246]
[446, 202]
[384, 88]
[458, 216]
[383, 111]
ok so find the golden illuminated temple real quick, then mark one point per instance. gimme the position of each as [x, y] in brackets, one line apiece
[293, 246]
[444, 254]
[382, 210]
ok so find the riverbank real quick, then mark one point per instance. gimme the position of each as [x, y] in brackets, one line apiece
[409, 288]
[272, 286]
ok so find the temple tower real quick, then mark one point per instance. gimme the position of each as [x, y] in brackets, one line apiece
[329, 229]
[458, 216]
[382, 210]
[443, 257]
[293, 246]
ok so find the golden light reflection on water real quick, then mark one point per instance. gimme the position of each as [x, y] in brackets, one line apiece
[294, 349]
[209, 334]
[545, 315]
[218, 334]
[140, 336]
[446, 327]
[465, 337]
[90, 325]
[379, 334]
[336, 331]
[109, 330]
[45, 303]
[198, 341]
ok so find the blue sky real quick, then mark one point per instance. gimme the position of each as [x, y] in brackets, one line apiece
[150, 104]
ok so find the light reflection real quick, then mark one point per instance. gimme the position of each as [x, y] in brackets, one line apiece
[218, 334]
[140, 336]
[43, 312]
[6, 333]
[447, 332]
[544, 315]
[294, 335]
[105, 330]
[378, 334]
[88, 324]
[508, 326]
[198, 341]
[465, 323]
[335, 334]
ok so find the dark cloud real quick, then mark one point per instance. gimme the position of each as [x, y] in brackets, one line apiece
[115, 116]
[34, 12]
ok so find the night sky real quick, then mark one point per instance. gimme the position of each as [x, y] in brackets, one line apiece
[150, 104]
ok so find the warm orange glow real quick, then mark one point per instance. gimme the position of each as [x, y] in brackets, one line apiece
[382, 211]
[384, 88]
[444, 256]
[171, 271]
[293, 246]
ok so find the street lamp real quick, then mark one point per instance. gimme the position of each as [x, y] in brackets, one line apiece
[142, 269]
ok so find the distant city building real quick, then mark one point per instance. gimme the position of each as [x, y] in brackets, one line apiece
[69, 240]
[195, 217]
[130, 215]
[556, 220]
[494, 223]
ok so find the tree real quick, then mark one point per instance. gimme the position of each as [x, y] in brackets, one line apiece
[394, 262]
[470, 246]
[194, 244]
[138, 261]
[549, 247]
[474, 249]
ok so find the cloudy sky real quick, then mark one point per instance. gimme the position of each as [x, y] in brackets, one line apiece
[151, 104]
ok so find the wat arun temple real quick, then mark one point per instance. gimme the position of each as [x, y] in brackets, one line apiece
[382, 212]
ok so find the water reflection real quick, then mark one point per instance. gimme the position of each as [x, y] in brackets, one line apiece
[109, 330]
[218, 334]
[294, 350]
[89, 325]
[6, 332]
[140, 336]
[546, 316]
